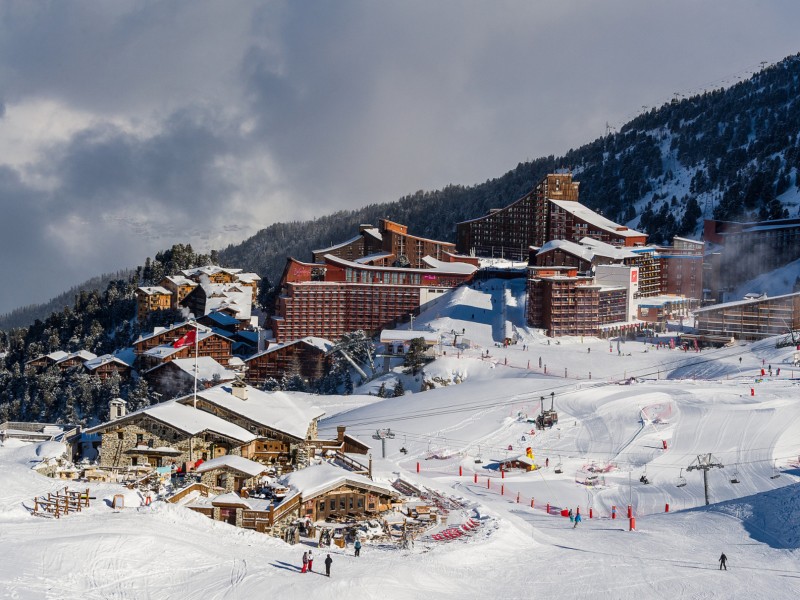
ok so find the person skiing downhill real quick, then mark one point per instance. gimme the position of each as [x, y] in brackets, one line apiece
[571, 517]
[577, 520]
[722, 560]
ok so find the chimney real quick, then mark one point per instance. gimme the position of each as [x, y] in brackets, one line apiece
[116, 409]
[340, 432]
[239, 388]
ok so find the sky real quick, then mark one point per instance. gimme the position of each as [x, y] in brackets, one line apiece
[126, 127]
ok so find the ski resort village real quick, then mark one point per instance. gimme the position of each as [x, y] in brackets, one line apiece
[549, 406]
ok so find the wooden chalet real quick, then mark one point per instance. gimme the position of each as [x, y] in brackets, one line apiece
[167, 433]
[523, 462]
[322, 491]
[150, 299]
[209, 343]
[164, 335]
[176, 377]
[309, 357]
[283, 423]
[106, 365]
[179, 286]
[47, 360]
[230, 473]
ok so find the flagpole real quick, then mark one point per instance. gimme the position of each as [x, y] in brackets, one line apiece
[196, 342]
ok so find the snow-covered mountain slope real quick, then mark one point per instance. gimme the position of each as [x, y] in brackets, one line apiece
[607, 434]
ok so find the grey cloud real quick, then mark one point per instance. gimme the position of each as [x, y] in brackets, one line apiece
[208, 119]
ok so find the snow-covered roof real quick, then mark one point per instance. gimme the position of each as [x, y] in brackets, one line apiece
[103, 360]
[578, 250]
[337, 246]
[374, 232]
[209, 270]
[248, 277]
[373, 257]
[584, 213]
[403, 335]
[656, 301]
[450, 267]
[159, 330]
[317, 479]
[743, 302]
[317, 342]
[83, 355]
[601, 248]
[440, 268]
[231, 498]
[238, 463]
[222, 296]
[524, 459]
[207, 368]
[287, 412]
[154, 289]
[166, 350]
[181, 280]
[187, 419]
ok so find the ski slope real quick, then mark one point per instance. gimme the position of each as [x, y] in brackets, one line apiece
[697, 402]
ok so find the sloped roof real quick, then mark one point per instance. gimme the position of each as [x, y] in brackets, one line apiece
[584, 213]
[318, 479]
[287, 412]
[153, 290]
[322, 344]
[187, 419]
[103, 360]
[237, 463]
[207, 367]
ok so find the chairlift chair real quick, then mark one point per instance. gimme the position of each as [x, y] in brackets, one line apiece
[681, 480]
[478, 459]
[558, 468]
[735, 477]
[403, 448]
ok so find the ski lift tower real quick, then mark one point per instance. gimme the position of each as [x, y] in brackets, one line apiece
[704, 463]
[383, 435]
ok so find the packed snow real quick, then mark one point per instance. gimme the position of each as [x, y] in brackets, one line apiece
[618, 407]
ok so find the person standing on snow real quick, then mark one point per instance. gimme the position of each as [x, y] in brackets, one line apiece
[571, 517]
[328, 562]
[305, 562]
[577, 520]
[358, 547]
[310, 561]
[722, 560]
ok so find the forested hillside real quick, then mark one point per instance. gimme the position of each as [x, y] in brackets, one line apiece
[731, 153]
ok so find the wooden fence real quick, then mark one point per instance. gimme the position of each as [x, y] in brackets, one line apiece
[56, 504]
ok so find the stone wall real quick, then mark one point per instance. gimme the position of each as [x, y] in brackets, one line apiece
[118, 440]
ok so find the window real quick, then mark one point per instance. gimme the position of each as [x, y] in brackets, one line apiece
[139, 438]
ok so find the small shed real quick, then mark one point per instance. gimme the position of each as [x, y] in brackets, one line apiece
[523, 461]
[231, 473]
[229, 508]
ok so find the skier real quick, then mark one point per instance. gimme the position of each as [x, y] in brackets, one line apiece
[577, 520]
[328, 562]
[358, 547]
[571, 516]
[305, 562]
[547, 462]
[310, 561]
[722, 560]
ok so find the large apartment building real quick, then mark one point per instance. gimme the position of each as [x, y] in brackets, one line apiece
[389, 244]
[331, 298]
[551, 211]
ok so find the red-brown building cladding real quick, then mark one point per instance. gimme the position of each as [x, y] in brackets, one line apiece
[340, 296]
[551, 211]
